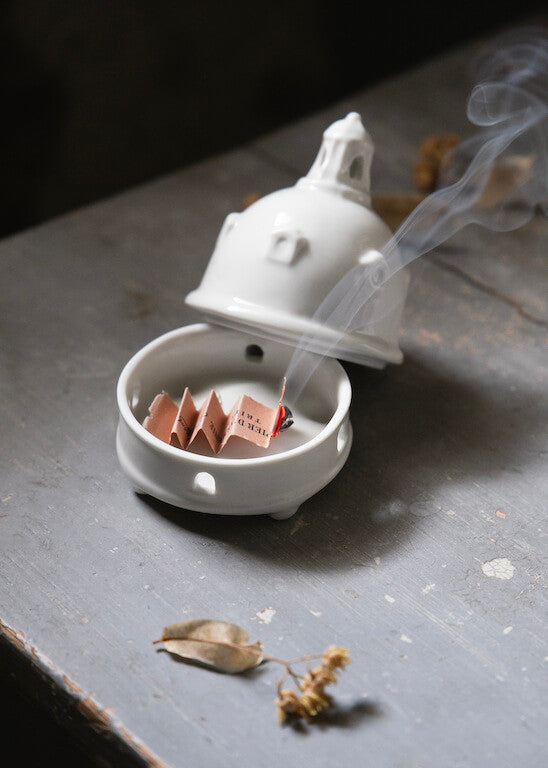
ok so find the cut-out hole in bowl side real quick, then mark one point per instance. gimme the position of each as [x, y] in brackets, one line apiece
[342, 437]
[204, 483]
[254, 353]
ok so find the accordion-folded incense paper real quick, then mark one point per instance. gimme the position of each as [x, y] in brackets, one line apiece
[181, 426]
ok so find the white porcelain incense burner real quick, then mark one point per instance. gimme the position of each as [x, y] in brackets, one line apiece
[271, 267]
[275, 262]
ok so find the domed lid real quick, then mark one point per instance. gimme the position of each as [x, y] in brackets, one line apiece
[275, 262]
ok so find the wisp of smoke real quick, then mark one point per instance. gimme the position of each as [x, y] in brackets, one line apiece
[496, 179]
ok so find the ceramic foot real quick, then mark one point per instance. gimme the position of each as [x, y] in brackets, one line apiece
[283, 514]
[139, 491]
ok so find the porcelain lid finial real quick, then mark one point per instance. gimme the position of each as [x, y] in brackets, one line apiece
[344, 161]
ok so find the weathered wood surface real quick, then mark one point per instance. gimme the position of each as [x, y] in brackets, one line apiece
[447, 472]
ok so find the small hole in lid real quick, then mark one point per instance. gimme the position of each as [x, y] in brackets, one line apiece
[254, 353]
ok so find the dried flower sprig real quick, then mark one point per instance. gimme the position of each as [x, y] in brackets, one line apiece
[312, 698]
[223, 646]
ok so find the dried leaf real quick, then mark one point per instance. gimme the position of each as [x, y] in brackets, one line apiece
[507, 176]
[222, 645]
[432, 152]
[218, 644]
[395, 208]
[250, 199]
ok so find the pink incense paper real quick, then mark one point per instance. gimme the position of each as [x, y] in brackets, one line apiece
[186, 425]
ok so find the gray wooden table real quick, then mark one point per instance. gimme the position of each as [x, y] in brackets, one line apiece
[447, 473]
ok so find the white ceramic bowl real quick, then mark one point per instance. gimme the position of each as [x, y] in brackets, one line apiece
[244, 479]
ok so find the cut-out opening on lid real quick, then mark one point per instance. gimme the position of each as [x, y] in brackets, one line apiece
[356, 168]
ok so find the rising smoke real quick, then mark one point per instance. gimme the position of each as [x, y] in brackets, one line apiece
[496, 179]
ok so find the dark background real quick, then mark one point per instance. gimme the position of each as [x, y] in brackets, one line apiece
[97, 96]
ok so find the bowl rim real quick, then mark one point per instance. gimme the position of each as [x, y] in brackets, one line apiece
[344, 397]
